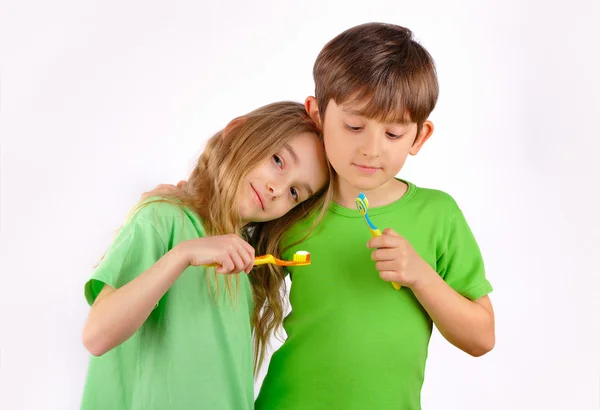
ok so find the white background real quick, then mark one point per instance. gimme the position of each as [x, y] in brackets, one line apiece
[101, 101]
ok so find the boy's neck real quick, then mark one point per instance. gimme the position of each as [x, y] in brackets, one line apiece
[345, 194]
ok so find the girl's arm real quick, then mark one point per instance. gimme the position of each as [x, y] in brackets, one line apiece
[117, 314]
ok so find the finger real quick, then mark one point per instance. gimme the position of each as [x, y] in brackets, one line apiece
[374, 242]
[148, 194]
[238, 262]
[252, 258]
[182, 184]
[244, 254]
[226, 265]
[391, 232]
[250, 250]
[385, 254]
[389, 275]
[386, 266]
[383, 241]
[160, 190]
[248, 259]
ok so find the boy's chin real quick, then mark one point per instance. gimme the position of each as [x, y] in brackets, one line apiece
[363, 183]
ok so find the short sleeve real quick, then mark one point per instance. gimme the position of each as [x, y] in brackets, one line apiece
[136, 248]
[460, 263]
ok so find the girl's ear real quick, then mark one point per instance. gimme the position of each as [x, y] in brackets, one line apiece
[233, 124]
[312, 109]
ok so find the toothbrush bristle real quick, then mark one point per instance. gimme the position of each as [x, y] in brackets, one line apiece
[301, 256]
[363, 198]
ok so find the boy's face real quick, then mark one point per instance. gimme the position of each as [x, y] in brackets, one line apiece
[366, 154]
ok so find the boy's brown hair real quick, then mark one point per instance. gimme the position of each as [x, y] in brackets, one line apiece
[381, 67]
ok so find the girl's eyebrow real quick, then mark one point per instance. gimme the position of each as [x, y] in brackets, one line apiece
[296, 161]
[292, 153]
[309, 190]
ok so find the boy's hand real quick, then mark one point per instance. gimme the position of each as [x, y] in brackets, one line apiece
[165, 190]
[397, 261]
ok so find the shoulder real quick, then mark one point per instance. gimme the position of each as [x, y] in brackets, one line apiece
[305, 226]
[163, 215]
[436, 200]
[157, 210]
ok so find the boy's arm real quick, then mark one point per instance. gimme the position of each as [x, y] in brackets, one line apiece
[467, 324]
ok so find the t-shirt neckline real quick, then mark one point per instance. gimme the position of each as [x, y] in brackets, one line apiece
[353, 212]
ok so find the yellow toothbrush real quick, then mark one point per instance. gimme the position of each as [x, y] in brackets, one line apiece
[300, 258]
[362, 204]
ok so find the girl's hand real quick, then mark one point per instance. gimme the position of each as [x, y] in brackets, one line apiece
[231, 253]
[397, 261]
[165, 190]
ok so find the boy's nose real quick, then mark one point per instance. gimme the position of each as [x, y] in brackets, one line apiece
[371, 147]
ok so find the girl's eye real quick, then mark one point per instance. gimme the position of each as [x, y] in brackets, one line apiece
[278, 161]
[294, 193]
[353, 128]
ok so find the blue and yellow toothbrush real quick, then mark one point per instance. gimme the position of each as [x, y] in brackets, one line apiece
[362, 204]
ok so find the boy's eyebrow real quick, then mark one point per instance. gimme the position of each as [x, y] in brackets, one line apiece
[351, 111]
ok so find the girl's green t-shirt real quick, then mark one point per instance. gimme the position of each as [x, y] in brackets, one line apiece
[194, 351]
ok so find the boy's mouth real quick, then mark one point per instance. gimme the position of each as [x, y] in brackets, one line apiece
[366, 168]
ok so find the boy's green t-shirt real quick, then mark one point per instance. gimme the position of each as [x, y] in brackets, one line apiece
[353, 342]
[193, 352]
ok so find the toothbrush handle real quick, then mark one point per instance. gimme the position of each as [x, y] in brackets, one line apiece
[377, 232]
[262, 260]
[258, 260]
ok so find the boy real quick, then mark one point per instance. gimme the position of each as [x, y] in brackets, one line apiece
[354, 342]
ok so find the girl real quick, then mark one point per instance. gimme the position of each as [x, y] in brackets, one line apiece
[165, 331]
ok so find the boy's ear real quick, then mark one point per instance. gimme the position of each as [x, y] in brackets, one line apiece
[426, 131]
[233, 124]
[312, 109]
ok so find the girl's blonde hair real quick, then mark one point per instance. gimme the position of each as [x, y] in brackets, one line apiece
[212, 192]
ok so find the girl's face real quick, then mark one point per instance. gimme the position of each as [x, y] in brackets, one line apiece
[283, 181]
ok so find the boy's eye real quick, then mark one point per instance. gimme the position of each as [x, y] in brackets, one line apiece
[393, 136]
[294, 194]
[353, 128]
[278, 161]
